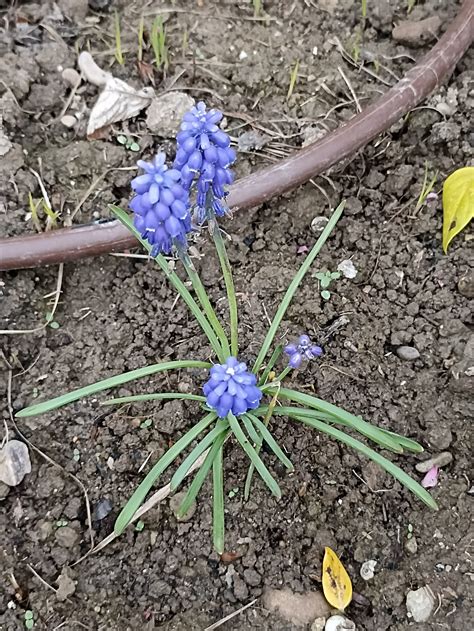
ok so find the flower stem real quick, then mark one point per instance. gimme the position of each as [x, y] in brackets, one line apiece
[229, 283]
[205, 303]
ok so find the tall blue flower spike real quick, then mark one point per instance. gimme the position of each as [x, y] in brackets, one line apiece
[204, 155]
[161, 206]
[302, 350]
[231, 388]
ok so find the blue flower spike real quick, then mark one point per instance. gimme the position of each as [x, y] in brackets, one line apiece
[161, 206]
[204, 155]
[303, 350]
[231, 388]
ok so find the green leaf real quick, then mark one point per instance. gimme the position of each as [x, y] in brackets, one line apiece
[325, 294]
[273, 360]
[218, 519]
[200, 448]
[251, 431]
[134, 146]
[201, 475]
[458, 203]
[391, 468]
[138, 497]
[122, 139]
[155, 396]
[295, 283]
[177, 283]
[112, 382]
[341, 416]
[254, 457]
[271, 442]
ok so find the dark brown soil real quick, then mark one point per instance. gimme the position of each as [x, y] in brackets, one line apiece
[117, 314]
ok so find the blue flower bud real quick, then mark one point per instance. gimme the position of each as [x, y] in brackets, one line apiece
[231, 388]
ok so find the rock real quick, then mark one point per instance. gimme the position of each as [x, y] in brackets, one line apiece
[66, 537]
[466, 284]
[71, 76]
[102, 509]
[14, 462]
[411, 545]
[407, 353]
[339, 623]
[318, 624]
[418, 33]
[252, 577]
[300, 609]
[250, 140]
[175, 503]
[240, 589]
[440, 460]
[347, 269]
[438, 437]
[66, 585]
[367, 569]
[318, 224]
[165, 112]
[420, 604]
[68, 121]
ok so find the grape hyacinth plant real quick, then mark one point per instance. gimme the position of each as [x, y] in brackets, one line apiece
[238, 403]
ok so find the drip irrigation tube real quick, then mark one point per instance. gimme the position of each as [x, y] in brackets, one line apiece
[69, 244]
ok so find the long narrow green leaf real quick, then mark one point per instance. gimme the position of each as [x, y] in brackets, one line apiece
[391, 468]
[201, 475]
[163, 463]
[295, 283]
[251, 431]
[155, 396]
[199, 449]
[112, 382]
[252, 454]
[175, 281]
[218, 518]
[273, 360]
[404, 442]
[271, 442]
[343, 417]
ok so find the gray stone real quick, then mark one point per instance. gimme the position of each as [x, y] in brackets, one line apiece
[240, 589]
[175, 503]
[66, 537]
[466, 284]
[250, 140]
[420, 604]
[440, 460]
[300, 609]
[418, 33]
[66, 585]
[411, 545]
[165, 112]
[339, 623]
[14, 462]
[407, 353]
[318, 624]
[252, 577]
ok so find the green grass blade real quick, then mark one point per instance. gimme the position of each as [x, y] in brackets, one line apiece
[251, 431]
[406, 443]
[271, 442]
[389, 467]
[104, 384]
[295, 283]
[177, 283]
[342, 416]
[199, 449]
[253, 456]
[218, 518]
[201, 475]
[273, 360]
[163, 463]
[155, 396]
[229, 285]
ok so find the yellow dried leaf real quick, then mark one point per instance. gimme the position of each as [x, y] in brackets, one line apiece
[337, 586]
[458, 203]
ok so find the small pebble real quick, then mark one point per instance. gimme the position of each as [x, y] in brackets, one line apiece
[411, 545]
[71, 76]
[408, 353]
[102, 509]
[339, 623]
[68, 121]
[420, 604]
[66, 537]
[440, 460]
[466, 285]
[367, 569]
[318, 224]
[318, 624]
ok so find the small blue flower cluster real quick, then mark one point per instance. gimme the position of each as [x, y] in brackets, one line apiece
[302, 350]
[231, 388]
[204, 154]
[161, 206]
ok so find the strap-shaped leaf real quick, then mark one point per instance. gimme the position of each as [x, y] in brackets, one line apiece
[271, 442]
[218, 519]
[155, 396]
[163, 463]
[254, 457]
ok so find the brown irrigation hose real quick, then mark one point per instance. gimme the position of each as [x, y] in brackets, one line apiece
[69, 244]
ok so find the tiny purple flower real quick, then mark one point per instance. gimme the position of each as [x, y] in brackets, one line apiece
[303, 350]
[204, 156]
[160, 206]
[231, 388]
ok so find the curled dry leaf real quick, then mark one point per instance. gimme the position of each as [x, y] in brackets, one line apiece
[337, 586]
[118, 101]
[14, 462]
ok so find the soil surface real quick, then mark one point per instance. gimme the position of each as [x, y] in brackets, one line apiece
[117, 314]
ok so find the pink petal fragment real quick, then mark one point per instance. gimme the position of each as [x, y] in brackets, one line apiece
[302, 249]
[431, 478]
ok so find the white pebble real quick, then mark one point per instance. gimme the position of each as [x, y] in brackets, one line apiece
[243, 55]
[71, 76]
[347, 268]
[68, 121]
[339, 623]
[367, 569]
